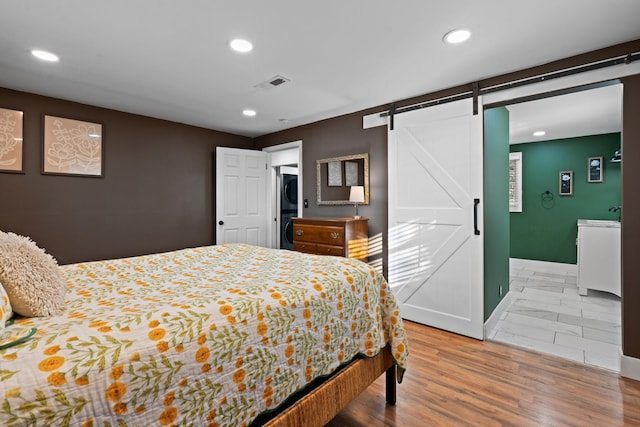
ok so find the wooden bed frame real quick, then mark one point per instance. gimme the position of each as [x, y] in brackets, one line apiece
[320, 405]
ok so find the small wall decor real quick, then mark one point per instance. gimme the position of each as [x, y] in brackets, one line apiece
[515, 182]
[565, 183]
[351, 173]
[72, 147]
[334, 175]
[11, 144]
[594, 169]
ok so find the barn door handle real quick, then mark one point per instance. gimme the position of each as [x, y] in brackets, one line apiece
[476, 202]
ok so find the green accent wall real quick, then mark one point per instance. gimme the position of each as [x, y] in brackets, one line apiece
[547, 230]
[496, 207]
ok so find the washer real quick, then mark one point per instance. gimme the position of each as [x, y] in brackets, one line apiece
[286, 228]
[288, 209]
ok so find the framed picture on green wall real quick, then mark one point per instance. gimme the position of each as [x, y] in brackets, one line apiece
[515, 182]
[594, 169]
[565, 183]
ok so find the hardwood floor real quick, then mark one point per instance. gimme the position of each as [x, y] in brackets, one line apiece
[454, 380]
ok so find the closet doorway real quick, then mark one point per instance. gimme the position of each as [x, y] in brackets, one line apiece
[285, 192]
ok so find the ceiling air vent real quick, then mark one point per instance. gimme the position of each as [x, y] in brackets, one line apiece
[274, 81]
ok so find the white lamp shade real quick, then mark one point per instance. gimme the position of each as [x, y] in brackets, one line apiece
[357, 194]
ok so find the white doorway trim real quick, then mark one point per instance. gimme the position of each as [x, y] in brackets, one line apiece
[273, 233]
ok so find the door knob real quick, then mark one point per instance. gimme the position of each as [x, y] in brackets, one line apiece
[221, 222]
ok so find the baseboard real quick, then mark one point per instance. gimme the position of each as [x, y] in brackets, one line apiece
[546, 266]
[629, 367]
[492, 321]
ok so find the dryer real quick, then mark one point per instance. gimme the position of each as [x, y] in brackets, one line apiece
[288, 209]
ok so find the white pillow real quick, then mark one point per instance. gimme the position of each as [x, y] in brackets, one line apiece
[30, 277]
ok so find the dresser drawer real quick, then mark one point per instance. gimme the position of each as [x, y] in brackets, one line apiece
[330, 250]
[320, 234]
[309, 248]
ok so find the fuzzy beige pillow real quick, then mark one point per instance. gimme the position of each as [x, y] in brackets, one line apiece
[31, 277]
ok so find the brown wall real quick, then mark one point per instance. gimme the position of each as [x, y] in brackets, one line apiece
[157, 193]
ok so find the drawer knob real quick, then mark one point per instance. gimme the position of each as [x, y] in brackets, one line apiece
[299, 232]
[334, 235]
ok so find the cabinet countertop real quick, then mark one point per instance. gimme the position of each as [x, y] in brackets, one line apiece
[598, 223]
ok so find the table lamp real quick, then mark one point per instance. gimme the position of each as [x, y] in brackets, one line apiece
[356, 196]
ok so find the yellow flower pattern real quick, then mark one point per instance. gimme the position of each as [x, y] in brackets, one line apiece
[212, 335]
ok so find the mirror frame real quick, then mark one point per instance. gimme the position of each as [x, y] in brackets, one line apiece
[319, 163]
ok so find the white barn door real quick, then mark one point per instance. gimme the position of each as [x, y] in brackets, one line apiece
[435, 195]
[241, 188]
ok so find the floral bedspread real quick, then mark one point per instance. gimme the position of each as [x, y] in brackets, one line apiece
[206, 336]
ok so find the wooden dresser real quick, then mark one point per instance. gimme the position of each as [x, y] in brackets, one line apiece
[347, 237]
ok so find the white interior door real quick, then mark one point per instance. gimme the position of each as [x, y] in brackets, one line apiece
[241, 205]
[435, 255]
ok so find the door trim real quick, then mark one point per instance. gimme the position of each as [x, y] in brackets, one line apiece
[273, 231]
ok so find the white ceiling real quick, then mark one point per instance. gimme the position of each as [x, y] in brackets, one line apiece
[590, 112]
[170, 59]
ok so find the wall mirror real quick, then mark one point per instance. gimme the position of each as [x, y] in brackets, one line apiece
[336, 175]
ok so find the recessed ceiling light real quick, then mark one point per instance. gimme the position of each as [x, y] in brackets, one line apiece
[457, 36]
[539, 133]
[240, 45]
[249, 113]
[44, 55]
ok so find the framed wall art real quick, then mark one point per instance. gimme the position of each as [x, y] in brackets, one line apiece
[515, 182]
[11, 141]
[334, 174]
[565, 183]
[594, 169]
[72, 147]
[351, 173]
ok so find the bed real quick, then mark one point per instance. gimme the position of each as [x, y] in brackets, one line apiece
[217, 335]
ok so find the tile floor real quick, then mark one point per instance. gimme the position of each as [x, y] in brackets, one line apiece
[546, 314]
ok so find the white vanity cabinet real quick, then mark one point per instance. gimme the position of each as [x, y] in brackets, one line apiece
[598, 256]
